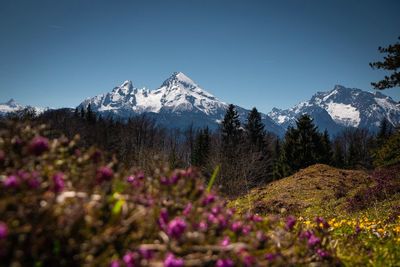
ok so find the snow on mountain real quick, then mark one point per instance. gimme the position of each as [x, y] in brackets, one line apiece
[12, 106]
[178, 102]
[342, 107]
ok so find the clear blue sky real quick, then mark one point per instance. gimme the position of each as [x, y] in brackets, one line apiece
[251, 53]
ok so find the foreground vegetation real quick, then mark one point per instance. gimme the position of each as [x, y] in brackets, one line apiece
[362, 209]
[66, 206]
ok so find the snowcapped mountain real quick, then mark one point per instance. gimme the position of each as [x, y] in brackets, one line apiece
[340, 108]
[178, 102]
[12, 106]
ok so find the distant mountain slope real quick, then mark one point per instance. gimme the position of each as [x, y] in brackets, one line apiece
[12, 106]
[342, 107]
[177, 103]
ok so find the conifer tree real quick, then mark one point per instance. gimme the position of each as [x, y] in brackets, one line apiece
[391, 63]
[338, 155]
[231, 132]
[325, 149]
[201, 148]
[255, 129]
[301, 144]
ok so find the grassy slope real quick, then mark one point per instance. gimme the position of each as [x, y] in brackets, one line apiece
[318, 189]
[321, 190]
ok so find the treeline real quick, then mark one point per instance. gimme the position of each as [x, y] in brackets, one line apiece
[247, 154]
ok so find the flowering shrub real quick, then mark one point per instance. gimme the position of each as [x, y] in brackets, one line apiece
[385, 184]
[62, 206]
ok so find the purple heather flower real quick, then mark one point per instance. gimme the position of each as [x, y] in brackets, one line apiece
[140, 175]
[212, 219]
[187, 209]
[33, 182]
[224, 263]
[3, 230]
[358, 229]
[208, 199]
[146, 253]
[164, 180]
[114, 263]
[246, 229]
[11, 181]
[261, 236]
[320, 220]
[271, 256]
[58, 180]
[322, 253]
[130, 179]
[38, 145]
[129, 259]
[290, 223]
[203, 226]
[216, 210]
[176, 227]
[237, 226]
[248, 260]
[313, 240]
[222, 221]
[174, 179]
[172, 261]
[226, 241]
[133, 180]
[104, 174]
[163, 219]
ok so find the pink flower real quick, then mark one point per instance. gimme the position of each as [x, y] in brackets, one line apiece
[290, 223]
[224, 263]
[104, 174]
[271, 256]
[210, 198]
[322, 253]
[203, 226]
[226, 241]
[38, 145]
[58, 182]
[172, 261]
[237, 226]
[320, 220]
[246, 229]
[146, 253]
[114, 263]
[11, 181]
[187, 209]
[129, 259]
[134, 181]
[248, 260]
[313, 240]
[3, 230]
[176, 227]
[261, 236]
[163, 219]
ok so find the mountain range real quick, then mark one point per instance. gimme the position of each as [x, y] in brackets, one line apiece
[342, 107]
[180, 102]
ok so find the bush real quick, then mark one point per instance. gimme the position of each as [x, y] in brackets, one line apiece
[63, 206]
[385, 184]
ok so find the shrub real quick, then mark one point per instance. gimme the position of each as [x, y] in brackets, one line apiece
[63, 206]
[385, 183]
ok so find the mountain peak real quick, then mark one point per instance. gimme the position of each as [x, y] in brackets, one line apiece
[339, 87]
[11, 102]
[127, 84]
[179, 78]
